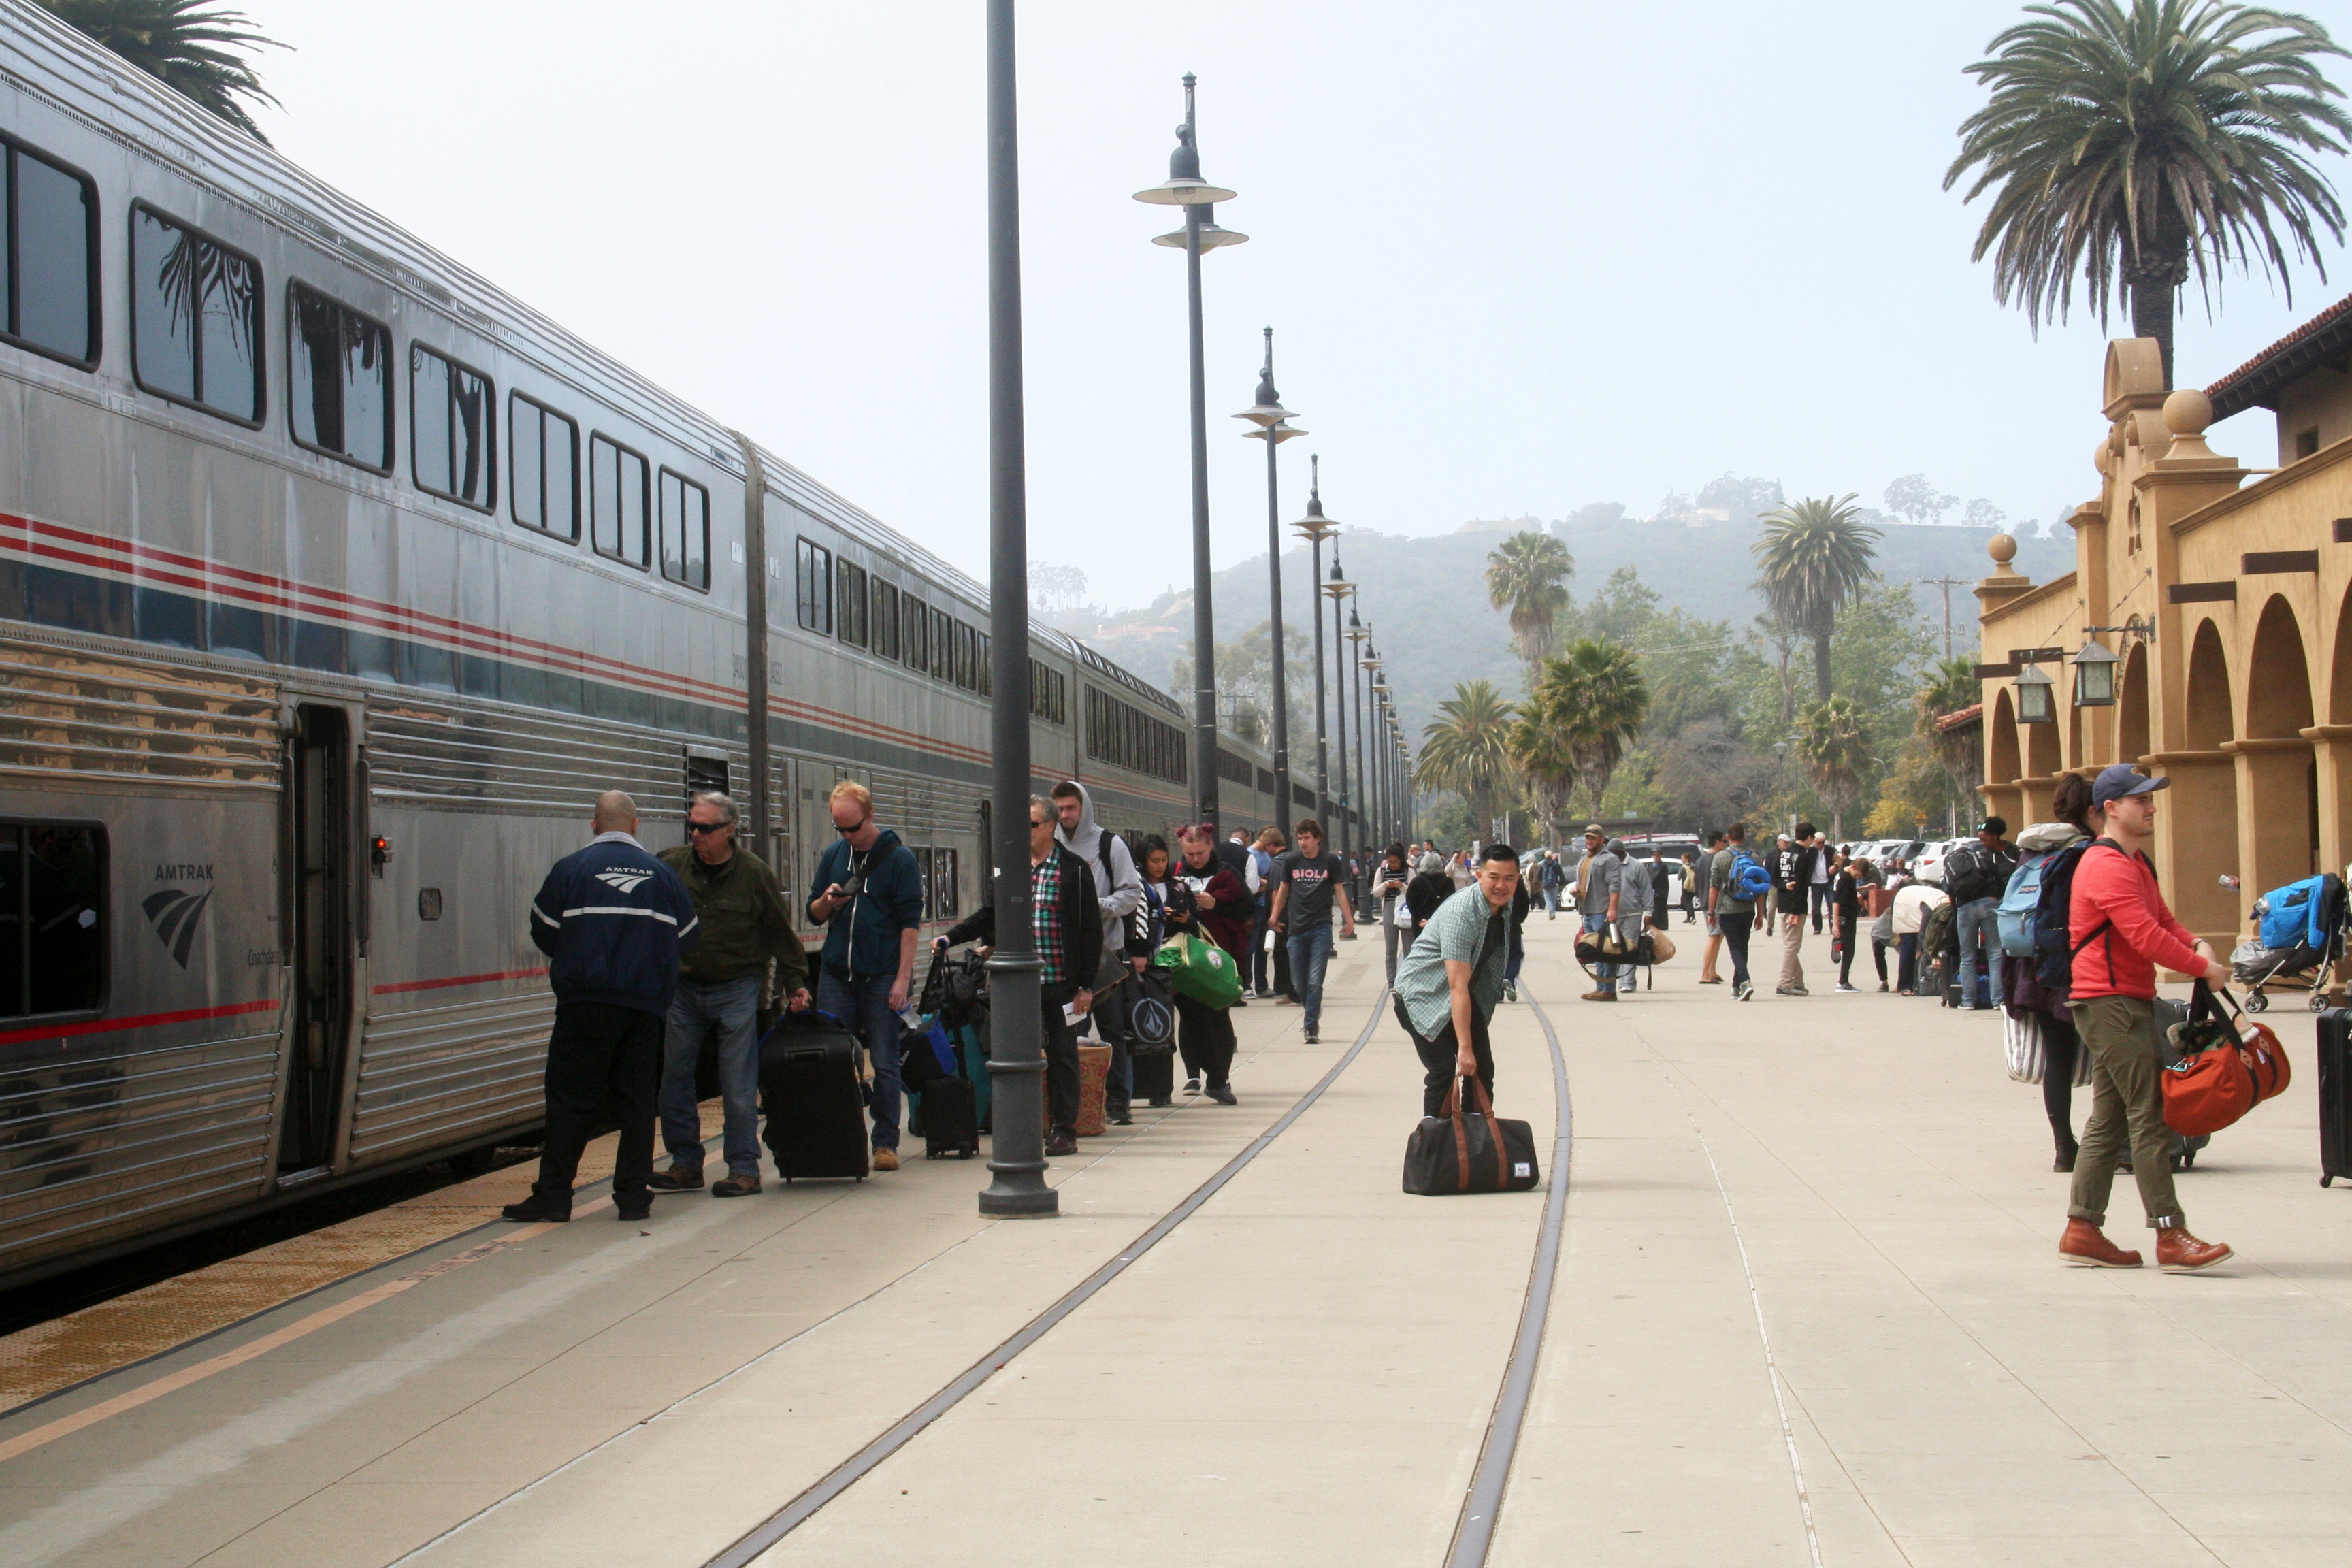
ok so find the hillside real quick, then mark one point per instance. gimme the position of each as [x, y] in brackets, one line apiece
[1425, 597]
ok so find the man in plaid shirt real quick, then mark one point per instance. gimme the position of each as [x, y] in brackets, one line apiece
[1067, 930]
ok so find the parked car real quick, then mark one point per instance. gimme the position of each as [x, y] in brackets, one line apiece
[1930, 866]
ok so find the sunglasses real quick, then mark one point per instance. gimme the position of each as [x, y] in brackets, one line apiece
[708, 827]
[855, 827]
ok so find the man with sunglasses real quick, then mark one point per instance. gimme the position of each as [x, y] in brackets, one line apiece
[869, 895]
[745, 927]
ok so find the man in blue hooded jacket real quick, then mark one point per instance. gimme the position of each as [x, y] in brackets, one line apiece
[614, 922]
[869, 895]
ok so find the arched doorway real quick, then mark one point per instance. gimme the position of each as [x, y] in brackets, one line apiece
[2197, 820]
[2131, 707]
[2001, 796]
[2277, 775]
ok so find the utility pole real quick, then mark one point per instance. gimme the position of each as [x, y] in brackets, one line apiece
[1946, 585]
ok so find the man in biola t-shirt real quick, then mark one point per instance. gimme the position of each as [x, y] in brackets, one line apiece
[1306, 881]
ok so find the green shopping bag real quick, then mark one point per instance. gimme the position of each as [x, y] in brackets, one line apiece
[1199, 969]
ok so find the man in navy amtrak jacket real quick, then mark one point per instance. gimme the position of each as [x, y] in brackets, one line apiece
[613, 921]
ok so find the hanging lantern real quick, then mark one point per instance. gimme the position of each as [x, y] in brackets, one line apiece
[2094, 676]
[2034, 704]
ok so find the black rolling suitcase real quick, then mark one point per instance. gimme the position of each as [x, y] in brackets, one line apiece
[1155, 1076]
[950, 1118]
[808, 1088]
[2334, 1095]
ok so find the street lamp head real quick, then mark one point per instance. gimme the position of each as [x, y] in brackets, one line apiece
[1315, 525]
[1337, 584]
[1356, 630]
[1184, 187]
[1268, 411]
[2033, 699]
[1212, 236]
[2095, 674]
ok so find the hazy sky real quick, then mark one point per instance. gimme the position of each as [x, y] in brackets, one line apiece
[1518, 257]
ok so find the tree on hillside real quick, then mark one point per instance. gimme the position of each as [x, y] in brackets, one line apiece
[193, 46]
[1835, 747]
[1245, 682]
[1524, 575]
[1467, 748]
[2137, 143]
[1052, 587]
[1913, 500]
[1815, 554]
[1745, 499]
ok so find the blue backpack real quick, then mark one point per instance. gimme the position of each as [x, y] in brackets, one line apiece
[2020, 909]
[1749, 881]
[2294, 915]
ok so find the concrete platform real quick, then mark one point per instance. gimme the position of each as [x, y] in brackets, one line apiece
[1807, 1310]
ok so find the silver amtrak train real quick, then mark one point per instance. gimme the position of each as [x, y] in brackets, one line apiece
[334, 583]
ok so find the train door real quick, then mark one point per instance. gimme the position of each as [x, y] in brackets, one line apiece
[322, 839]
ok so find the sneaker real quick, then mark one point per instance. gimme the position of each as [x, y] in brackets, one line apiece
[629, 1209]
[1311, 1039]
[677, 1179]
[1745, 992]
[1122, 1118]
[886, 1159]
[1510, 992]
[1786, 991]
[1062, 1144]
[1222, 1093]
[731, 1185]
[1241, 1001]
[1264, 993]
[536, 1210]
[1882, 988]
[1193, 1085]
[1846, 990]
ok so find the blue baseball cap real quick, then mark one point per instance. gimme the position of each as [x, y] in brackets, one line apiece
[2124, 779]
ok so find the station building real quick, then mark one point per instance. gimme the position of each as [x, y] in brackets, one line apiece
[2205, 632]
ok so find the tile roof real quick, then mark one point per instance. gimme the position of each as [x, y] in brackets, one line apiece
[2257, 383]
[1948, 722]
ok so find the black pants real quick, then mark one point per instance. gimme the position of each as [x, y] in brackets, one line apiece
[1437, 1059]
[1846, 924]
[1735, 928]
[1204, 1038]
[2059, 1044]
[1878, 956]
[1061, 1056]
[600, 1056]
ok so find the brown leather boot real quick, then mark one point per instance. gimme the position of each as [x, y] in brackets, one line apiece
[2178, 1252]
[2085, 1245]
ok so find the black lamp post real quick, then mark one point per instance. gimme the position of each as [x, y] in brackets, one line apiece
[1339, 589]
[1368, 808]
[1314, 528]
[1273, 428]
[1016, 1056]
[1185, 188]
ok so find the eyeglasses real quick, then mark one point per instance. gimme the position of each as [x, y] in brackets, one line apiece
[708, 827]
[856, 826]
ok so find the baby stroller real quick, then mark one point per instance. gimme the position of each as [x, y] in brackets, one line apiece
[2298, 941]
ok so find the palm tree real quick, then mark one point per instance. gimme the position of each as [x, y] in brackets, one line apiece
[1523, 576]
[1836, 752]
[1467, 748]
[1595, 694]
[1815, 554]
[190, 45]
[2136, 145]
[1542, 743]
[1953, 686]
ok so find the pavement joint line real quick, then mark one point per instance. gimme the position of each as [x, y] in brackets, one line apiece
[310, 1323]
[756, 1541]
[1482, 1504]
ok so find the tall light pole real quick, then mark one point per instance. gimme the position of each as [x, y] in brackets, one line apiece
[1016, 1056]
[1339, 589]
[1185, 188]
[1273, 428]
[1367, 808]
[1314, 528]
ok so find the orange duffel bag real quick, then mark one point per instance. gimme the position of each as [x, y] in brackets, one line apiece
[2229, 1065]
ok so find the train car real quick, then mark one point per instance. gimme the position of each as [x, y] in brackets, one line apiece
[335, 583]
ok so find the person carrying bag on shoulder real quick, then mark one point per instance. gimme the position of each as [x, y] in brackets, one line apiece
[2120, 928]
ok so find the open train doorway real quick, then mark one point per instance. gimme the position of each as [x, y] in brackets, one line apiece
[322, 843]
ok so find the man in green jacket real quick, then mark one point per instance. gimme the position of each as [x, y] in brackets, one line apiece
[744, 926]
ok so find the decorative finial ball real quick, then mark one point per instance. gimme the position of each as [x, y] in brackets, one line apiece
[2001, 548]
[2187, 412]
[2102, 457]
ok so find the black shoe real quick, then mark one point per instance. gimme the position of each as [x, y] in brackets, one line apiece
[1311, 1040]
[536, 1210]
[1121, 1118]
[1241, 1001]
[1161, 1102]
[1193, 1084]
[1222, 1093]
[1062, 1143]
[677, 1179]
[636, 1208]
[2066, 1160]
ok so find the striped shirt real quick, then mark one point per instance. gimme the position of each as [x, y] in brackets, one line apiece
[1467, 929]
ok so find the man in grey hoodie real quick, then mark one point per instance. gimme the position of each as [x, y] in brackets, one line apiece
[1119, 887]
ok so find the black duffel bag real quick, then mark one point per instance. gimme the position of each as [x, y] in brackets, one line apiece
[1469, 1152]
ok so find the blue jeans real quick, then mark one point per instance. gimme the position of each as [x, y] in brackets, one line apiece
[1979, 927]
[1310, 950]
[731, 1009]
[865, 1006]
[1604, 973]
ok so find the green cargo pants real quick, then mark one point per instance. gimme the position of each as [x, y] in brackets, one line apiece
[2127, 1098]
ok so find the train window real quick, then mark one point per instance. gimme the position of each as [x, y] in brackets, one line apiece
[340, 394]
[544, 451]
[852, 600]
[618, 480]
[916, 618]
[452, 429]
[53, 919]
[886, 620]
[813, 586]
[967, 663]
[49, 257]
[987, 680]
[195, 318]
[943, 627]
[939, 877]
[685, 531]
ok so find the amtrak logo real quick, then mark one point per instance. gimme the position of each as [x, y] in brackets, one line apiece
[175, 913]
[623, 881]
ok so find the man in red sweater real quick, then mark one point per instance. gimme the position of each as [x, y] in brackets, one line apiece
[2121, 930]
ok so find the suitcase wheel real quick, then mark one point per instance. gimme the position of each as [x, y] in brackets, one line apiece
[2189, 1158]
[2325, 1181]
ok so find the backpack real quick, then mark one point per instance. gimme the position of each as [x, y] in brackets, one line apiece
[2019, 914]
[1940, 932]
[2053, 914]
[1968, 873]
[1749, 881]
[2295, 915]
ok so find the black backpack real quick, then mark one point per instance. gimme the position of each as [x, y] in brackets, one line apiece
[1968, 873]
[2054, 916]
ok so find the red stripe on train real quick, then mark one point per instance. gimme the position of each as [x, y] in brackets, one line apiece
[456, 980]
[107, 1025]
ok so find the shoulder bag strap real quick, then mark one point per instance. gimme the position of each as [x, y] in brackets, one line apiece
[1486, 1107]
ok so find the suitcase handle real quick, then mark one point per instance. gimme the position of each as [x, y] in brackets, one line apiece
[803, 1052]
